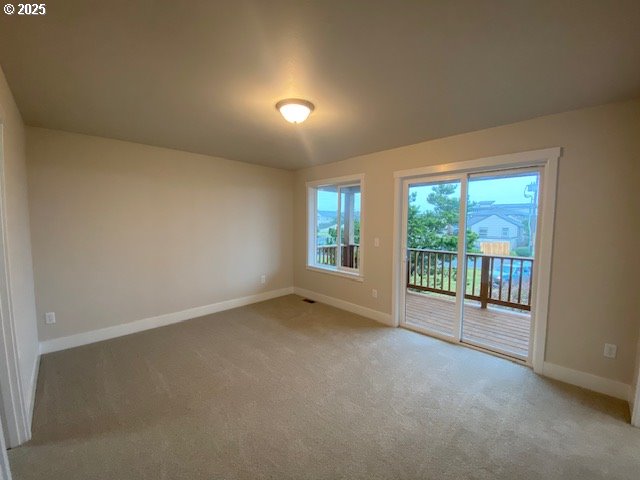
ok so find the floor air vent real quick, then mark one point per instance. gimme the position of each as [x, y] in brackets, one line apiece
[308, 300]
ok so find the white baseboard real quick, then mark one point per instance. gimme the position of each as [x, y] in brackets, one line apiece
[33, 385]
[93, 336]
[376, 315]
[574, 377]
[589, 381]
[613, 388]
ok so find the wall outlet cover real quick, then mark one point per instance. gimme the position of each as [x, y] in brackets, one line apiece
[610, 350]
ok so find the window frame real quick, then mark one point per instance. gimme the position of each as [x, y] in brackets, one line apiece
[312, 198]
[483, 232]
[506, 232]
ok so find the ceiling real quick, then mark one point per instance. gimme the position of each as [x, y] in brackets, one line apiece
[204, 76]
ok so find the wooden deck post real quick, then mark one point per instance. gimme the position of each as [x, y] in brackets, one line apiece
[484, 281]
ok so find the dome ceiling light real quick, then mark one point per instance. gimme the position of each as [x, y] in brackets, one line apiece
[295, 110]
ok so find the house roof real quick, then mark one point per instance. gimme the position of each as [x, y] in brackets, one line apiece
[476, 219]
[482, 208]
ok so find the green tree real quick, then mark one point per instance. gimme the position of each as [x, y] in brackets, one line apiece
[332, 236]
[437, 228]
[332, 233]
[526, 232]
[356, 231]
[421, 229]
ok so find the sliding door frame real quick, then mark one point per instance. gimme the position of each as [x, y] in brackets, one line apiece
[547, 160]
[435, 179]
[506, 172]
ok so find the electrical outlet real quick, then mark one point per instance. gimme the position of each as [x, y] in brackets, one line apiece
[610, 350]
[376, 242]
[374, 293]
[50, 318]
[263, 279]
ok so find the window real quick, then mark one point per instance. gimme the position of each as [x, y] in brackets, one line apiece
[483, 232]
[335, 225]
[505, 232]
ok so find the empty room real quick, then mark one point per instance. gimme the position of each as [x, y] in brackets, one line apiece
[278, 239]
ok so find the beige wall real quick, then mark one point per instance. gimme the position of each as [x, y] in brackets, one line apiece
[123, 231]
[595, 264]
[18, 237]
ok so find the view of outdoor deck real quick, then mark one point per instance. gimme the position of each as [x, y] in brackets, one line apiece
[493, 328]
[497, 296]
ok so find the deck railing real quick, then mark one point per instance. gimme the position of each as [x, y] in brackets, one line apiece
[327, 255]
[491, 279]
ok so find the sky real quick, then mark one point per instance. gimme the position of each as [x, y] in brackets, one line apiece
[328, 201]
[498, 190]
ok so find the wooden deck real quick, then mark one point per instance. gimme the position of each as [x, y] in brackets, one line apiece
[493, 328]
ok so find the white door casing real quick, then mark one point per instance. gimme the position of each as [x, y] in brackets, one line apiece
[12, 405]
[547, 160]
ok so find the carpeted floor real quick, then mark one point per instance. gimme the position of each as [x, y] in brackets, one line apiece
[289, 390]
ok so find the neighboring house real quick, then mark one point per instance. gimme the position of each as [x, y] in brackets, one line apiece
[496, 227]
[503, 222]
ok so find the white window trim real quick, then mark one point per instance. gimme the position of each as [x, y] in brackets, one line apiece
[312, 187]
[339, 273]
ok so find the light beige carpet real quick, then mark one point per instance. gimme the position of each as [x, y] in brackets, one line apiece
[288, 390]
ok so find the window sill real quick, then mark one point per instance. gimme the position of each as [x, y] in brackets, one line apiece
[338, 273]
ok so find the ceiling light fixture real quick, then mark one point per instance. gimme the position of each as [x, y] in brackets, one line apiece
[295, 110]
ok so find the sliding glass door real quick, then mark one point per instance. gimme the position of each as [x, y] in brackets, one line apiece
[501, 223]
[470, 242]
[432, 231]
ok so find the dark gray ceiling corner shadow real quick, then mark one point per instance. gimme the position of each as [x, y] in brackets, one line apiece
[204, 76]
